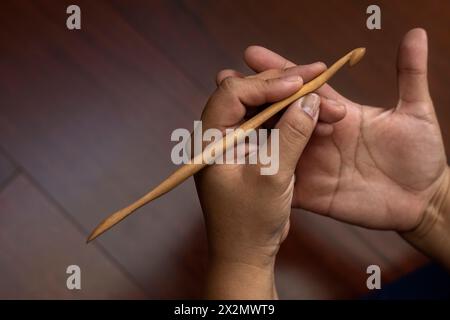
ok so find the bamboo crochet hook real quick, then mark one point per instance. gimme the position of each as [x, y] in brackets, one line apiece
[201, 160]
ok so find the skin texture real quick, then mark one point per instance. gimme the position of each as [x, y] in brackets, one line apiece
[377, 167]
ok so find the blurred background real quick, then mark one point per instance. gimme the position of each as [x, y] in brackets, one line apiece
[85, 124]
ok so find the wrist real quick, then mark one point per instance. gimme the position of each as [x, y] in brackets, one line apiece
[432, 234]
[237, 270]
[254, 248]
[262, 257]
[232, 279]
[248, 250]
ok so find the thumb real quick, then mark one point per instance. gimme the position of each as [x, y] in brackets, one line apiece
[295, 128]
[412, 72]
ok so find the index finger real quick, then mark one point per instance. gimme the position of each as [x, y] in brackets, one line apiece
[260, 59]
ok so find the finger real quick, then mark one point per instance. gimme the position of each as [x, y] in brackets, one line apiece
[412, 70]
[227, 106]
[221, 75]
[269, 74]
[331, 111]
[260, 59]
[323, 129]
[295, 128]
[256, 92]
[307, 72]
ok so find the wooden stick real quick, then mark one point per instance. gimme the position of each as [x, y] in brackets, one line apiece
[201, 160]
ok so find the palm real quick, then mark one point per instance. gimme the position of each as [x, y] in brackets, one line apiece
[378, 169]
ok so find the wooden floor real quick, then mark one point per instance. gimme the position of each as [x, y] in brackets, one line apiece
[85, 124]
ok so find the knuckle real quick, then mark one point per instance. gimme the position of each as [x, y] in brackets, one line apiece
[259, 85]
[413, 71]
[223, 74]
[223, 105]
[229, 84]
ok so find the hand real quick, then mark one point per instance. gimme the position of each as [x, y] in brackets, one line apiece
[378, 167]
[246, 213]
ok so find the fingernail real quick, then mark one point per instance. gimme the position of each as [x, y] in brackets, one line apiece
[292, 78]
[310, 104]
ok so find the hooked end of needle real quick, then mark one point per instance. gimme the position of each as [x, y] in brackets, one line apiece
[356, 56]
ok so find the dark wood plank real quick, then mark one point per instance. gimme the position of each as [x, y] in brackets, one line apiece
[89, 115]
[228, 27]
[100, 106]
[7, 170]
[305, 32]
[326, 259]
[39, 243]
[182, 38]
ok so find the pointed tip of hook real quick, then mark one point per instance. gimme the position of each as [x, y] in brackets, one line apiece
[356, 56]
[108, 223]
[90, 238]
[97, 231]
